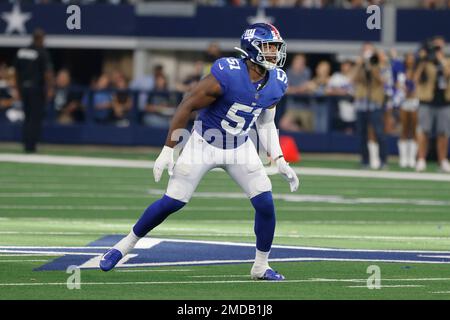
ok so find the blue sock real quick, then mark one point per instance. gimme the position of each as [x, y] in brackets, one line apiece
[156, 213]
[264, 220]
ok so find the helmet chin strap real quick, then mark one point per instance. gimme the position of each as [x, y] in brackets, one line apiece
[245, 54]
[266, 65]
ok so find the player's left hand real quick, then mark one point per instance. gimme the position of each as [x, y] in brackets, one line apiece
[288, 173]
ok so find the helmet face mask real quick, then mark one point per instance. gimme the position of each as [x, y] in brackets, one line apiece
[262, 44]
[271, 54]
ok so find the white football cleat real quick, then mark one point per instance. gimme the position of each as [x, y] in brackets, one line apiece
[421, 165]
[445, 166]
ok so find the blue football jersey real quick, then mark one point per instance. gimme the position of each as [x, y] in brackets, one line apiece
[227, 122]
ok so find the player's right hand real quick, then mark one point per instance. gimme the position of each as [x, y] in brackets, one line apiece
[164, 160]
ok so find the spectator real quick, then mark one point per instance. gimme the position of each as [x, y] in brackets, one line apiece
[144, 84]
[192, 79]
[312, 3]
[159, 108]
[101, 100]
[398, 78]
[121, 102]
[298, 115]
[341, 85]
[6, 98]
[389, 90]
[212, 53]
[407, 145]
[34, 77]
[432, 4]
[433, 89]
[67, 100]
[369, 98]
[388, 118]
[318, 87]
[15, 113]
[354, 4]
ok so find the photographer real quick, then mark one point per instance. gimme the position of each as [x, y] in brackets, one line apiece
[369, 98]
[433, 90]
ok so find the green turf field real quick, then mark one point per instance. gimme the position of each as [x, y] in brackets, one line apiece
[63, 205]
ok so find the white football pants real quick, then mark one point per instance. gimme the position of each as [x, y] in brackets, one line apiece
[198, 157]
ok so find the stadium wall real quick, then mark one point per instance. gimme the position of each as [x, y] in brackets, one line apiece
[144, 136]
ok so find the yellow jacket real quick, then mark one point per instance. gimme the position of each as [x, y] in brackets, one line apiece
[425, 89]
[375, 86]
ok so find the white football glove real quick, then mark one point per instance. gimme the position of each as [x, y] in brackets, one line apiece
[164, 160]
[288, 173]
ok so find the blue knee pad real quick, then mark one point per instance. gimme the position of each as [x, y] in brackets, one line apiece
[156, 213]
[264, 220]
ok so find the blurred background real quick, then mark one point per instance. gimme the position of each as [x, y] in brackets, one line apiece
[117, 79]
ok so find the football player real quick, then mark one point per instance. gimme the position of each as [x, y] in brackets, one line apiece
[237, 94]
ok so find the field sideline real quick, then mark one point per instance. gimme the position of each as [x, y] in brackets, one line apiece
[337, 206]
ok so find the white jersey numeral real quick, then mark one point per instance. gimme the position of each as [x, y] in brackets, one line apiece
[281, 75]
[233, 63]
[239, 120]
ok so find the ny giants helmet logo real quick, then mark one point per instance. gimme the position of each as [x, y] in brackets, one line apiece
[249, 34]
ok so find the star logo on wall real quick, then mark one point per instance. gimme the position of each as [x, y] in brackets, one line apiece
[260, 17]
[16, 20]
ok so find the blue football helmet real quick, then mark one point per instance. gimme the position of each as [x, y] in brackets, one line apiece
[258, 43]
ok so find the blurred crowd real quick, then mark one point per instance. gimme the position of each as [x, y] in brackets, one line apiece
[373, 95]
[377, 94]
[349, 4]
[110, 95]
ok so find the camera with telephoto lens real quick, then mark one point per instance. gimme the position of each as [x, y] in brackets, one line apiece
[430, 50]
[371, 58]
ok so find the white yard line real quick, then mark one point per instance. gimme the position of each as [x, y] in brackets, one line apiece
[227, 243]
[384, 279]
[392, 286]
[221, 233]
[51, 233]
[70, 186]
[317, 198]
[25, 284]
[120, 163]
[302, 198]
[126, 222]
[305, 207]
[26, 255]
[88, 194]
[30, 260]
[200, 282]
[222, 276]
[75, 161]
[67, 207]
[55, 253]
[50, 247]
[155, 270]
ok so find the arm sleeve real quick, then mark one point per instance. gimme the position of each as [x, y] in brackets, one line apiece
[268, 134]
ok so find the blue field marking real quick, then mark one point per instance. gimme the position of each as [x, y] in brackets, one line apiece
[170, 252]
